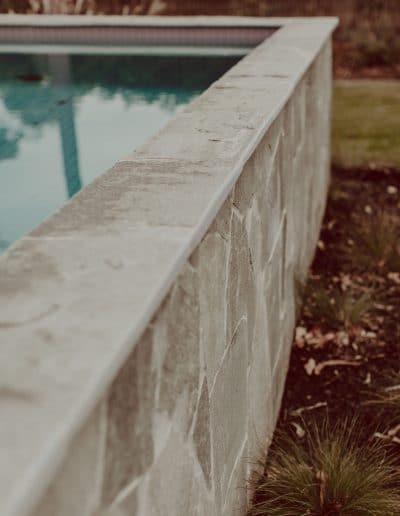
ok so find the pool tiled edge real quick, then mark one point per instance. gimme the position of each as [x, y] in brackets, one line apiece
[145, 328]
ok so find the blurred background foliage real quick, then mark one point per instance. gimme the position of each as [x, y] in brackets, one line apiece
[366, 42]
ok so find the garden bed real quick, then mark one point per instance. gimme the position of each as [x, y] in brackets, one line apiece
[344, 368]
[364, 336]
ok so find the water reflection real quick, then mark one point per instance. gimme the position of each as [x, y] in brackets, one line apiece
[66, 119]
[59, 68]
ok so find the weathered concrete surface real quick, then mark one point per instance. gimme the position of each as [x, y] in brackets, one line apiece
[145, 328]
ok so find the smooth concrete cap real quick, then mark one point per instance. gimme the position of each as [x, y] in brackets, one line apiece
[77, 293]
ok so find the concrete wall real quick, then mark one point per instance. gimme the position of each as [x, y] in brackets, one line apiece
[194, 400]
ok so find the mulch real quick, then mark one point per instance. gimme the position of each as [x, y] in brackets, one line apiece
[337, 373]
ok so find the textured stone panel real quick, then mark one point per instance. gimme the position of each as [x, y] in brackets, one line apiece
[201, 434]
[281, 367]
[299, 114]
[271, 207]
[273, 294]
[236, 498]
[241, 286]
[259, 384]
[125, 505]
[229, 411]
[301, 203]
[130, 405]
[288, 122]
[173, 488]
[76, 488]
[262, 211]
[129, 504]
[181, 366]
[211, 259]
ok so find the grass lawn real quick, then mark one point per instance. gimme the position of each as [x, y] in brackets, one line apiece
[366, 123]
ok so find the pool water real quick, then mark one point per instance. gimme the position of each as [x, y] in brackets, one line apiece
[65, 119]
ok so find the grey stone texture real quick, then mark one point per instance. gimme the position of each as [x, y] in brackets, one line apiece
[145, 329]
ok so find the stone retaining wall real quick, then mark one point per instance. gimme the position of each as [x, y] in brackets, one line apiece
[195, 401]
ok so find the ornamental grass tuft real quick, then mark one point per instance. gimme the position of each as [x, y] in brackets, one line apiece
[330, 472]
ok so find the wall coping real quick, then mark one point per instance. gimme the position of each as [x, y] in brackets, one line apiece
[116, 248]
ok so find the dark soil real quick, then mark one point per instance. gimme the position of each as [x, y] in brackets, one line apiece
[372, 347]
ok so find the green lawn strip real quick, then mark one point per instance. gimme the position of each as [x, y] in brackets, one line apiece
[366, 123]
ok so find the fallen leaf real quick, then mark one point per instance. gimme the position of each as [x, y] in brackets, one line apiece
[368, 379]
[345, 282]
[317, 338]
[343, 338]
[394, 431]
[385, 437]
[310, 366]
[392, 388]
[329, 336]
[300, 410]
[395, 277]
[300, 332]
[300, 336]
[332, 363]
[300, 432]
[322, 488]
[368, 334]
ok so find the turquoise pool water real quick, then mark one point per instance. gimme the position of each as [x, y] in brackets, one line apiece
[65, 119]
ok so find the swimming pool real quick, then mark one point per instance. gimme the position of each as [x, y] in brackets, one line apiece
[66, 118]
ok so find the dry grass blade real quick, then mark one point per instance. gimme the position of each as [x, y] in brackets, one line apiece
[329, 472]
[336, 308]
[388, 397]
[377, 243]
